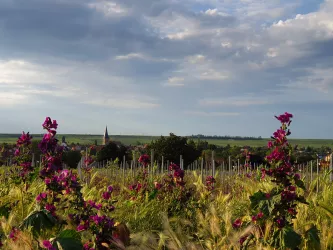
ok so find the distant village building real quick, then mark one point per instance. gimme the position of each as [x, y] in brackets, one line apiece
[106, 137]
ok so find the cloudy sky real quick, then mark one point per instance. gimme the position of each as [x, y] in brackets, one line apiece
[222, 67]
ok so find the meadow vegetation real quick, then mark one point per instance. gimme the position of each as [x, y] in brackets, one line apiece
[48, 207]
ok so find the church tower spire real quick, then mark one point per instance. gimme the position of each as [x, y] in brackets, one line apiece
[106, 137]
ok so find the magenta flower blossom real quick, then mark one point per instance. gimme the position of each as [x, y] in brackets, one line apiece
[210, 181]
[281, 222]
[106, 195]
[51, 208]
[47, 244]
[13, 233]
[24, 139]
[110, 189]
[144, 160]
[82, 227]
[284, 118]
[41, 196]
[87, 246]
[17, 152]
[157, 185]
[237, 223]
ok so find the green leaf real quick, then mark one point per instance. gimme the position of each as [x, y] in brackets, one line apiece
[5, 210]
[68, 240]
[300, 184]
[38, 220]
[290, 239]
[261, 203]
[256, 198]
[312, 235]
[153, 194]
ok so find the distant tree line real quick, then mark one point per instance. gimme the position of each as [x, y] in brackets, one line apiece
[225, 137]
[171, 147]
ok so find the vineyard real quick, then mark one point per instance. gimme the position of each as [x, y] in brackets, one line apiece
[145, 204]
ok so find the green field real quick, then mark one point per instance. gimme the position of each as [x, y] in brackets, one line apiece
[135, 139]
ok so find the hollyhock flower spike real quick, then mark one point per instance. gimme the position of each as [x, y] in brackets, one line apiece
[283, 197]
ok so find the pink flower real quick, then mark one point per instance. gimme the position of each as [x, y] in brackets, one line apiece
[51, 208]
[24, 139]
[106, 195]
[157, 185]
[110, 189]
[17, 152]
[292, 211]
[81, 227]
[144, 160]
[237, 223]
[41, 196]
[260, 215]
[47, 244]
[13, 234]
[284, 118]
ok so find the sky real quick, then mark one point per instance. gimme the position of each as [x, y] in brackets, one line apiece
[213, 67]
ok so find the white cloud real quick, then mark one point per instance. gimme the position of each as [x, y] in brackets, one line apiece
[76, 83]
[272, 52]
[130, 56]
[108, 8]
[226, 44]
[196, 59]
[128, 103]
[175, 82]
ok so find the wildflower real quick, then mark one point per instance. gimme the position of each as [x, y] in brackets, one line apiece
[110, 189]
[106, 195]
[284, 118]
[292, 211]
[144, 160]
[237, 223]
[81, 227]
[157, 185]
[47, 244]
[173, 167]
[51, 208]
[87, 246]
[41, 196]
[210, 181]
[280, 222]
[13, 234]
[17, 152]
[260, 215]
[179, 173]
[242, 239]
[24, 139]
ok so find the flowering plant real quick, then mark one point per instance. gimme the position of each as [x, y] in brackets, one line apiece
[63, 196]
[280, 204]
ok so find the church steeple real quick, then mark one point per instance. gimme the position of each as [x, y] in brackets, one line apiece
[106, 136]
